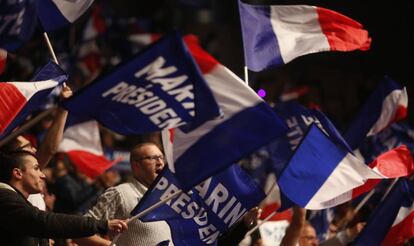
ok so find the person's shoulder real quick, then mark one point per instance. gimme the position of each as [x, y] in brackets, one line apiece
[124, 186]
[116, 190]
[10, 195]
[7, 192]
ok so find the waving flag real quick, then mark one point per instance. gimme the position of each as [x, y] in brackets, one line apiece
[328, 174]
[17, 23]
[275, 34]
[395, 212]
[82, 143]
[400, 133]
[247, 124]
[276, 154]
[387, 104]
[200, 216]
[20, 99]
[55, 14]
[298, 119]
[395, 163]
[160, 88]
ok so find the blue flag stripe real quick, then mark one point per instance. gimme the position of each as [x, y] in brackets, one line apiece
[257, 32]
[295, 178]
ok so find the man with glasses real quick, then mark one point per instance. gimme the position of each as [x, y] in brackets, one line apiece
[146, 162]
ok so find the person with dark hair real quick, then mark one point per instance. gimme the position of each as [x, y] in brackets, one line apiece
[47, 148]
[25, 225]
[146, 162]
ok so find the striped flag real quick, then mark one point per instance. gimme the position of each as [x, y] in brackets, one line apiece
[392, 222]
[242, 128]
[386, 105]
[82, 144]
[328, 174]
[20, 99]
[276, 34]
[159, 88]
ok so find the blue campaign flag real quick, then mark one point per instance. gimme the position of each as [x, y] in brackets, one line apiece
[201, 215]
[160, 88]
[386, 105]
[17, 23]
[247, 123]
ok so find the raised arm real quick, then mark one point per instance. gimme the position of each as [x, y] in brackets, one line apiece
[293, 232]
[54, 134]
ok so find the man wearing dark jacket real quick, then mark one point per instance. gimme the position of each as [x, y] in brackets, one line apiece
[25, 225]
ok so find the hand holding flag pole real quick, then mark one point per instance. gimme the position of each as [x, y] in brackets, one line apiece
[272, 187]
[146, 211]
[260, 223]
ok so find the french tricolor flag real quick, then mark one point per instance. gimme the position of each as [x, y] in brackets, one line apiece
[392, 222]
[328, 174]
[276, 34]
[82, 144]
[246, 124]
[402, 227]
[55, 14]
[3, 58]
[19, 99]
[395, 163]
[386, 105]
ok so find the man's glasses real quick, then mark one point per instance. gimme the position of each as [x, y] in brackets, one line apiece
[153, 158]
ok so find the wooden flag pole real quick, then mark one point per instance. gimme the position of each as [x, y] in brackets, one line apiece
[389, 189]
[246, 75]
[49, 45]
[261, 223]
[365, 200]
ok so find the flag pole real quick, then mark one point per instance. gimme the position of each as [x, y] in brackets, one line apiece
[26, 126]
[49, 45]
[260, 223]
[52, 52]
[265, 219]
[246, 75]
[146, 211]
[389, 189]
[365, 200]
